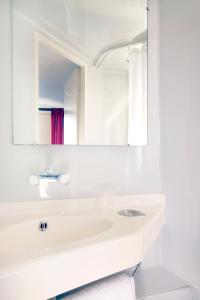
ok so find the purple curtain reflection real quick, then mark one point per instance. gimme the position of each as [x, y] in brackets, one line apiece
[57, 126]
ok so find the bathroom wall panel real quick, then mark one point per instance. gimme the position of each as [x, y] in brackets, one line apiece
[180, 134]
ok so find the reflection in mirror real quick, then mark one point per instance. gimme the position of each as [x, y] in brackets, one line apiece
[59, 81]
[80, 72]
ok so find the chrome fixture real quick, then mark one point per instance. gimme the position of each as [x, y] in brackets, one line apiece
[49, 176]
[43, 225]
[137, 269]
[130, 213]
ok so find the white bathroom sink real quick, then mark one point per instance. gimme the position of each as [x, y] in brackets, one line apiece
[26, 236]
[86, 239]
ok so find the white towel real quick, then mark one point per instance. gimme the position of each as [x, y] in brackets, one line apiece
[116, 287]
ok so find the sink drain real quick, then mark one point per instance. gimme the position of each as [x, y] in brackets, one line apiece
[130, 213]
[43, 225]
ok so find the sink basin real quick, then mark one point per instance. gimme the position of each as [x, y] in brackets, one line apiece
[62, 230]
[82, 240]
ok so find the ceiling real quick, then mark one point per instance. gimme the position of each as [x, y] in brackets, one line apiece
[90, 25]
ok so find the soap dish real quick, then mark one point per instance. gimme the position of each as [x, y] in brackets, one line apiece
[130, 213]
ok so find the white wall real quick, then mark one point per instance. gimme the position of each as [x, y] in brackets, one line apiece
[180, 134]
[23, 90]
[44, 128]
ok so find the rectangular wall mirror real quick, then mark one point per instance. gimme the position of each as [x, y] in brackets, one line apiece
[79, 72]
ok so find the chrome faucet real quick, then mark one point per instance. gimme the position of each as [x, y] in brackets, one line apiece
[49, 176]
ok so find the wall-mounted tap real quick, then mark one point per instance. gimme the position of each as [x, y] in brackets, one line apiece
[49, 176]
